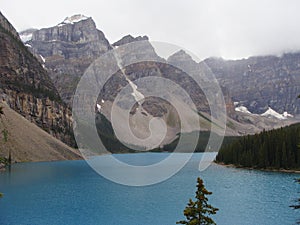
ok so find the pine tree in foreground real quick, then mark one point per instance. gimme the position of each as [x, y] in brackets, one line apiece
[197, 213]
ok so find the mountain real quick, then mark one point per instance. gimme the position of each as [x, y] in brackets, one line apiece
[67, 50]
[261, 82]
[26, 87]
[128, 39]
[28, 142]
[182, 59]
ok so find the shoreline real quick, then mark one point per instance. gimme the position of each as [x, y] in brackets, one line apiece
[259, 169]
[3, 167]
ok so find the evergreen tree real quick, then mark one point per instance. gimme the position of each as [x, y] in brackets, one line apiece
[197, 212]
[278, 149]
[284, 156]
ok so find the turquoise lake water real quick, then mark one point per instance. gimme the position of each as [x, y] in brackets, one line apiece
[70, 192]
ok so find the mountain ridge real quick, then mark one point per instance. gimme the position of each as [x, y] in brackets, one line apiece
[66, 65]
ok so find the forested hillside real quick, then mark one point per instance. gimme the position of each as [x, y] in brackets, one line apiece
[277, 149]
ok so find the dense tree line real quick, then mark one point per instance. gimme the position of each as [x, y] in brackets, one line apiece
[278, 149]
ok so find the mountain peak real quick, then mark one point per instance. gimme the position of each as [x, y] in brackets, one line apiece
[128, 39]
[180, 56]
[73, 19]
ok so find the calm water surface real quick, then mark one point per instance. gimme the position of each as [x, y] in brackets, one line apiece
[71, 192]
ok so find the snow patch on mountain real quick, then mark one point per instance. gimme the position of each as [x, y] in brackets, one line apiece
[272, 113]
[43, 59]
[242, 109]
[73, 19]
[26, 37]
[138, 96]
[99, 108]
[286, 114]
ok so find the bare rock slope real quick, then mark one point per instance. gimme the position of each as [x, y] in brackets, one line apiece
[27, 142]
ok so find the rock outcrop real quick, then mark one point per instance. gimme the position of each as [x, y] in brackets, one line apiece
[261, 82]
[67, 50]
[5, 24]
[26, 87]
[25, 141]
[198, 69]
[128, 39]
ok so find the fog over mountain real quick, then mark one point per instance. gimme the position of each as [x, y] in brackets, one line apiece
[229, 29]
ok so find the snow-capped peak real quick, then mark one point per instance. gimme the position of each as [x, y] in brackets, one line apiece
[272, 113]
[73, 19]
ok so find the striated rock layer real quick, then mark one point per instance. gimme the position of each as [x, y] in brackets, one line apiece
[261, 82]
[67, 51]
[26, 87]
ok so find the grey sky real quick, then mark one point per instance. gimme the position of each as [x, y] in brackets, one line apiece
[226, 28]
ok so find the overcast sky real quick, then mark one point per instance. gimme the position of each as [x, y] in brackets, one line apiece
[224, 28]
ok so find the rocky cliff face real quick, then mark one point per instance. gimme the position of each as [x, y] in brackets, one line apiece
[5, 24]
[67, 50]
[186, 61]
[128, 39]
[261, 82]
[26, 87]
[27, 142]
[70, 47]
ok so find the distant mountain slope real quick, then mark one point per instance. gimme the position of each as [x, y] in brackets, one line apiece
[261, 82]
[28, 142]
[26, 87]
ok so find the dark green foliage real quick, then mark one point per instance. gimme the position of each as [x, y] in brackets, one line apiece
[202, 141]
[4, 161]
[110, 141]
[5, 135]
[1, 195]
[197, 212]
[276, 149]
[108, 137]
